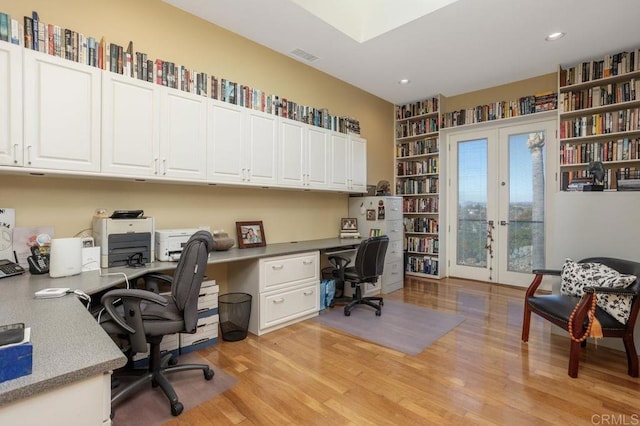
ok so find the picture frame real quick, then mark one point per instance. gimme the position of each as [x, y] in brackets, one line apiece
[371, 214]
[349, 224]
[250, 234]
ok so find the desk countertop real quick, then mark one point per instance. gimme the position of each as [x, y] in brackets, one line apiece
[68, 344]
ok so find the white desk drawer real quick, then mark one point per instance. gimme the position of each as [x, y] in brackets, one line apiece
[287, 305]
[286, 271]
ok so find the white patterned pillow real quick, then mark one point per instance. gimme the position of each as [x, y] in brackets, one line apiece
[576, 276]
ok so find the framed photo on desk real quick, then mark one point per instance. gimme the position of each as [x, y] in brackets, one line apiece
[250, 234]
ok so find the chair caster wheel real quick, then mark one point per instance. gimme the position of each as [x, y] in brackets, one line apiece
[378, 313]
[176, 409]
[347, 313]
[208, 374]
[173, 360]
[382, 303]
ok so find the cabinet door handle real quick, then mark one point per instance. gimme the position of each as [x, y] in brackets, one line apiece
[164, 166]
[307, 262]
[278, 301]
[308, 293]
[15, 153]
[155, 166]
[277, 267]
[29, 154]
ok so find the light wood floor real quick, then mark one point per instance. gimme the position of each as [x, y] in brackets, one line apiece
[480, 373]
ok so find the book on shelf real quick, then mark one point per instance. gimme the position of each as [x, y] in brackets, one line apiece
[28, 32]
[4, 27]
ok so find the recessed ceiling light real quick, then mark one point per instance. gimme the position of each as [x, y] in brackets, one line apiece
[554, 36]
[404, 81]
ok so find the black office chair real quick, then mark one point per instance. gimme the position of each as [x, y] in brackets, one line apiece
[367, 268]
[150, 316]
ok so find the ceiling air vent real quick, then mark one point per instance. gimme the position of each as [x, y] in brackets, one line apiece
[304, 55]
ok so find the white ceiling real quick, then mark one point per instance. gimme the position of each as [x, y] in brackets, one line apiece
[457, 48]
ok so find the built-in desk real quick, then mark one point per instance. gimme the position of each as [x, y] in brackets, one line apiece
[70, 350]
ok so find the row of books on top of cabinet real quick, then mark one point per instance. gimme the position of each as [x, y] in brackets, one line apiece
[608, 66]
[33, 33]
[625, 120]
[613, 150]
[597, 96]
[525, 105]
[414, 109]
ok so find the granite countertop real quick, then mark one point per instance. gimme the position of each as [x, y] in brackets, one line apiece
[68, 343]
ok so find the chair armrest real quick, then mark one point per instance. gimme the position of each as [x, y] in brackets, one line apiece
[610, 290]
[555, 272]
[339, 262]
[132, 299]
[152, 281]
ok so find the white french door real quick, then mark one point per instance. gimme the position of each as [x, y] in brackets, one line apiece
[499, 189]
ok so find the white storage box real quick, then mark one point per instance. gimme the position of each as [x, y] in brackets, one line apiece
[205, 335]
[208, 298]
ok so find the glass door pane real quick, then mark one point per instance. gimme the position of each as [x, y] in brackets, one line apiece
[525, 239]
[472, 203]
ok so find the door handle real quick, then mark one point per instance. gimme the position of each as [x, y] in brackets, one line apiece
[503, 223]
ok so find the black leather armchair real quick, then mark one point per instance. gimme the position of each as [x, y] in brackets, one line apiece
[367, 268]
[557, 309]
[146, 317]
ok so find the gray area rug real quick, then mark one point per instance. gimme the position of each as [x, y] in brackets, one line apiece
[404, 327]
[151, 407]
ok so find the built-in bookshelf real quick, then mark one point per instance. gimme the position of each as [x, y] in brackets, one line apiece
[417, 181]
[599, 117]
[32, 33]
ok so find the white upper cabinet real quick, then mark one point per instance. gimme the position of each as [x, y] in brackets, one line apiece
[348, 162]
[183, 135]
[292, 153]
[358, 163]
[130, 126]
[11, 151]
[242, 145]
[226, 153]
[152, 131]
[262, 148]
[317, 157]
[304, 155]
[62, 119]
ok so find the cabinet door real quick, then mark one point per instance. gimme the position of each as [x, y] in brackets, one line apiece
[225, 153]
[183, 136]
[10, 105]
[317, 157]
[339, 151]
[292, 153]
[262, 145]
[62, 119]
[130, 126]
[357, 164]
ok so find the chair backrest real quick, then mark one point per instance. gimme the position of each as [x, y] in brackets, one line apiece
[188, 276]
[369, 261]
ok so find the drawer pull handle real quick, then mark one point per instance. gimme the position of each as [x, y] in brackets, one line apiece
[308, 293]
[307, 262]
[281, 300]
[277, 267]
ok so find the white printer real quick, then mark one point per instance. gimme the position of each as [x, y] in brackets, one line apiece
[124, 241]
[170, 242]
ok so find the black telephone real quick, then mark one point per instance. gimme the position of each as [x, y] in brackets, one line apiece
[9, 268]
[38, 263]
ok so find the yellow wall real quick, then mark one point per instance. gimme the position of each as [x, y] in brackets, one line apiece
[165, 32]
